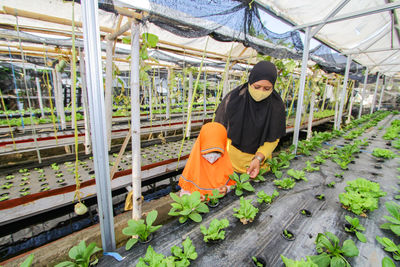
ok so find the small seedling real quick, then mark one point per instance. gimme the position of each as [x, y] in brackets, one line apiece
[320, 196]
[263, 197]
[188, 206]
[55, 167]
[301, 263]
[297, 174]
[81, 255]
[23, 170]
[140, 230]
[390, 246]
[286, 183]
[310, 168]
[260, 177]
[9, 177]
[355, 227]
[213, 198]
[318, 160]
[215, 230]
[247, 212]
[394, 221]
[287, 234]
[242, 182]
[339, 175]
[256, 262]
[331, 184]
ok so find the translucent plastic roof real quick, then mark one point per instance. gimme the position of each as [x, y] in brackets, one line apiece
[366, 33]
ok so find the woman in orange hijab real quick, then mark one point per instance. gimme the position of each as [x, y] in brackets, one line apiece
[209, 165]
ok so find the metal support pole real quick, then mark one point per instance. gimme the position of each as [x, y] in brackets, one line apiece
[205, 96]
[190, 94]
[310, 116]
[346, 77]
[39, 94]
[225, 89]
[363, 92]
[301, 90]
[108, 90]
[97, 123]
[381, 97]
[376, 90]
[150, 102]
[85, 104]
[135, 118]
[351, 105]
[169, 87]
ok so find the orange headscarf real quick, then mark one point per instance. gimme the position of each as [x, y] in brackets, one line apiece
[199, 174]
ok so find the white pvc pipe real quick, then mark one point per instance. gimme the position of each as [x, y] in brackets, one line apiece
[310, 116]
[351, 106]
[169, 85]
[374, 98]
[363, 92]
[381, 97]
[301, 90]
[135, 118]
[344, 89]
[190, 94]
[39, 94]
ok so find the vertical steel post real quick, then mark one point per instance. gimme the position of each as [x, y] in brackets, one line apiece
[190, 95]
[108, 90]
[301, 90]
[150, 102]
[374, 98]
[85, 103]
[135, 118]
[97, 122]
[205, 96]
[346, 77]
[351, 105]
[169, 86]
[381, 97]
[363, 92]
[39, 95]
[310, 116]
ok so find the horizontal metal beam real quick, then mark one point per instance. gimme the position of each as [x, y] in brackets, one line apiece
[371, 51]
[352, 15]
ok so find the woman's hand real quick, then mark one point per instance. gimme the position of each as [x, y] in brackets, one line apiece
[254, 168]
[223, 190]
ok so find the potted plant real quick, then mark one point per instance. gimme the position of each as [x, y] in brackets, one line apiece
[141, 231]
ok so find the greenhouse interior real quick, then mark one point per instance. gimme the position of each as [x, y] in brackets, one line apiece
[200, 133]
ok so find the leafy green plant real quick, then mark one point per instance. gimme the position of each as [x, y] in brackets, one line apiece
[318, 160]
[140, 230]
[301, 263]
[389, 246]
[331, 253]
[242, 182]
[287, 234]
[151, 258]
[55, 167]
[23, 170]
[339, 175]
[28, 261]
[215, 230]
[310, 168]
[331, 184]
[188, 206]
[183, 256]
[355, 227]
[10, 177]
[81, 255]
[213, 198]
[320, 196]
[247, 212]
[361, 196]
[383, 153]
[264, 197]
[394, 220]
[260, 177]
[256, 262]
[297, 174]
[387, 262]
[286, 183]
[275, 166]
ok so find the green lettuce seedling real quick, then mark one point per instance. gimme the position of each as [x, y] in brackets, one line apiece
[188, 206]
[318, 160]
[390, 246]
[310, 168]
[260, 176]
[81, 255]
[297, 174]
[242, 182]
[263, 197]
[247, 212]
[286, 183]
[383, 153]
[140, 230]
[301, 263]
[183, 256]
[151, 258]
[215, 230]
[356, 227]
[213, 199]
[387, 262]
[331, 253]
[394, 221]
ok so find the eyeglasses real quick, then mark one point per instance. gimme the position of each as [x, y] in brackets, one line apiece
[264, 88]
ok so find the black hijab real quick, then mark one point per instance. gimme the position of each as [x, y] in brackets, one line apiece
[249, 123]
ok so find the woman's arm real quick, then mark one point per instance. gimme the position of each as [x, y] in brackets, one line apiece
[263, 152]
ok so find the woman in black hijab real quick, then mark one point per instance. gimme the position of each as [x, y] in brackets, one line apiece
[254, 116]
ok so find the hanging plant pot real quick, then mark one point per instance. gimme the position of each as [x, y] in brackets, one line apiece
[149, 238]
[258, 261]
[306, 213]
[288, 235]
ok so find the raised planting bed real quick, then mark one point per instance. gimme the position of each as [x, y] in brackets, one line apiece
[263, 236]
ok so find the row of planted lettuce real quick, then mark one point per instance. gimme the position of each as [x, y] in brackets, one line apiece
[361, 197]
